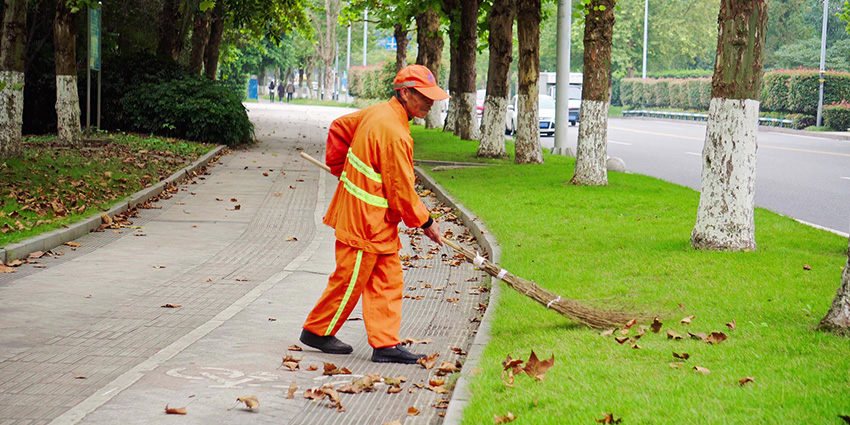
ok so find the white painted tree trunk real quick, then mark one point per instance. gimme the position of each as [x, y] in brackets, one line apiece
[451, 115]
[67, 110]
[466, 120]
[592, 146]
[11, 111]
[493, 127]
[432, 120]
[838, 317]
[527, 140]
[725, 213]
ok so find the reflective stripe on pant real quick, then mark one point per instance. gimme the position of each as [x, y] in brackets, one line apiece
[378, 278]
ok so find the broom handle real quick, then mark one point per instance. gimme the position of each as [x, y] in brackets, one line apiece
[315, 161]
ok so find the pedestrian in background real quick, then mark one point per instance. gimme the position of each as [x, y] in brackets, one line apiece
[271, 91]
[371, 151]
[290, 88]
[280, 90]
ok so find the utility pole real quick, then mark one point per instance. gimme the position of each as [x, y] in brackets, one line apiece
[348, 63]
[822, 62]
[365, 33]
[645, 33]
[562, 82]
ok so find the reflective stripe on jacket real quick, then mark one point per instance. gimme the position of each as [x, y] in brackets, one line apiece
[372, 153]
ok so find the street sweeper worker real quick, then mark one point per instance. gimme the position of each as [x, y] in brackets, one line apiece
[371, 151]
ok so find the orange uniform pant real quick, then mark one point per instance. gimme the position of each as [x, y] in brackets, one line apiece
[378, 278]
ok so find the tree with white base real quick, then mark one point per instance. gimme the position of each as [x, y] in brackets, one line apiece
[65, 53]
[725, 213]
[13, 40]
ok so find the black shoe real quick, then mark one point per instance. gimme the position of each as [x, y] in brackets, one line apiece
[397, 354]
[326, 344]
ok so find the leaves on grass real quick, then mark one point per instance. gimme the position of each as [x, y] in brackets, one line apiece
[845, 418]
[536, 368]
[175, 410]
[687, 320]
[621, 339]
[655, 327]
[744, 380]
[608, 418]
[716, 338]
[671, 334]
[504, 419]
[683, 356]
[608, 332]
[702, 370]
[807, 267]
[251, 402]
[332, 369]
[630, 324]
[701, 336]
[731, 325]
[428, 361]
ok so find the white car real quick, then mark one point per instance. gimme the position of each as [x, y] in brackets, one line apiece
[545, 114]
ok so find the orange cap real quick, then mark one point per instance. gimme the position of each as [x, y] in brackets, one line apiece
[420, 78]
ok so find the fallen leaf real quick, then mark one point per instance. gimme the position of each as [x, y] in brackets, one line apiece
[701, 336]
[608, 418]
[436, 382]
[412, 411]
[72, 244]
[428, 361]
[175, 410]
[37, 254]
[636, 347]
[294, 347]
[630, 324]
[233, 200]
[171, 306]
[683, 356]
[5, 269]
[621, 339]
[313, 367]
[292, 389]
[291, 239]
[609, 332]
[395, 422]
[676, 365]
[504, 419]
[743, 381]
[731, 325]
[716, 338]
[447, 367]
[807, 267]
[393, 389]
[408, 341]
[687, 320]
[332, 369]
[457, 350]
[655, 327]
[250, 401]
[845, 417]
[702, 370]
[671, 334]
[537, 369]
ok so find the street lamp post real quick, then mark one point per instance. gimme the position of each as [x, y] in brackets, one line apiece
[645, 33]
[562, 82]
[365, 33]
[822, 63]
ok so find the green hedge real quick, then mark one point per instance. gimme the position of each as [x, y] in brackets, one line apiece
[797, 90]
[689, 93]
[372, 82]
[837, 116]
[190, 108]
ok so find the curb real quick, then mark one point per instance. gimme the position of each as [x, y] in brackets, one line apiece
[462, 394]
[52, 239]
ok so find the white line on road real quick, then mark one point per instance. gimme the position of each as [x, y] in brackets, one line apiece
[693, 153]
[846, 178]
[620, 143]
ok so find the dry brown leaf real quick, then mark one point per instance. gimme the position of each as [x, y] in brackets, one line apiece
[457, 350]
[412, 411]
[37, 254]
[621, 339]
[291, 239]
[537, 369]
[313, 367]
[807, 267]
[701, 336]
[744, 380]
[251, 401]
[655, 327]
[608, 418]
[395, 422]
[409, 341]
[702, 370]
[294, 347]
[636, 347]
[716, 338]
[447, 367]
[630, 324]
[504, 419]
[687, 320]
[683, 356]
[175, 410]
[731, 325]
[671, 334]
[609, 332]
[393, 389]
[292, 389]
[5, 269]
[436, 382]
[428, 361]
[171, 306]
[332, 369]
[73, 244]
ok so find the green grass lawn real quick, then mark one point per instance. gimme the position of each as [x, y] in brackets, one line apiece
[51, 185]
[628, 245]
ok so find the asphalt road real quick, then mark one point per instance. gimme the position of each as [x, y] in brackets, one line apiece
[797, 175]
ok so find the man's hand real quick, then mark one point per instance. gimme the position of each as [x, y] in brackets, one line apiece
[433, 232]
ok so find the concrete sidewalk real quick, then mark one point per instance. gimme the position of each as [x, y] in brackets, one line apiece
[243, 252]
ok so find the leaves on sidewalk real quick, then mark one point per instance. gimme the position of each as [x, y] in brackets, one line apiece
[332, 369]
[251, 402]
[428, 361]
[175, 410]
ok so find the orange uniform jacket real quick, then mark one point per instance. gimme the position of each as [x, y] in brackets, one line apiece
[376, 188]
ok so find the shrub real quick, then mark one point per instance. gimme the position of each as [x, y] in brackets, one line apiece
[372, 82]
[190, 108]
[837, 116]
[797, 90]
[801, 121]
[774, 91]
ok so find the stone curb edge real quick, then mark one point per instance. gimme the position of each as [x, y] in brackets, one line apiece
[462, 395]
[52, 239]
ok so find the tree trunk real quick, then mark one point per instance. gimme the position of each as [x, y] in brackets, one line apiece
[528, 150]
[169, 27]
[200, 38]
[838, 317]
[500, 21]
[592, 146]
[430, 42]
[329, 80]
[65, 54]
[400, 33]
[467, 125]
[12, 60]
[725, 213]
[451, 10]
[213, 49]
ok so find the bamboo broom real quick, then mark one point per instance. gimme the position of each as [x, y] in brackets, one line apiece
[572, 309]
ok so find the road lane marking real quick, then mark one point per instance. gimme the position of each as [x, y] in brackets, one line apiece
[693, 153]
[846, 178]
[620, 143]
[675, 136]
